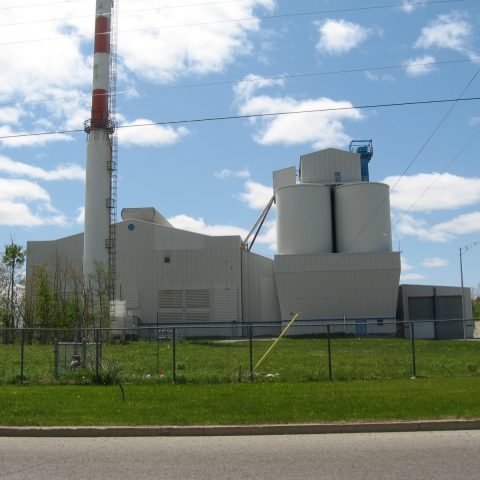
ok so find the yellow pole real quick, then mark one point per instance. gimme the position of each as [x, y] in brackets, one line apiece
[285, 330]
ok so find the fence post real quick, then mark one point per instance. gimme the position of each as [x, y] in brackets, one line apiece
[22, 355]
[329, 353]
[250, 349]
[55, 360]
[174, 355]
[84, 353]
[158, 347]
[97, 359]
[414, 359]
[158, 352]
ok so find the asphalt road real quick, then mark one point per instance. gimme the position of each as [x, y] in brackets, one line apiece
[422, 455]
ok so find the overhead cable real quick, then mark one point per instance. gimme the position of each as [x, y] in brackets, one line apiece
[123, 12]
[240, 20]
[420, 151]
[437, 177]
[33, 5]
[246, 80]
[259, 115]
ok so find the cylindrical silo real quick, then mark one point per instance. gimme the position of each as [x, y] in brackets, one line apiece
[362, 218]
[304, 222]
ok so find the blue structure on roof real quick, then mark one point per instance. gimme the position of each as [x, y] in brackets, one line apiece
[365, 149]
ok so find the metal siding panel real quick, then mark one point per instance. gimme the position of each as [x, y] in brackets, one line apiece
[320, 288]
[449, 307]
[170, 299]
[320, 167]
[131, 296]
[225, 305]
[197, 298]
[255, 269]
[284, 177]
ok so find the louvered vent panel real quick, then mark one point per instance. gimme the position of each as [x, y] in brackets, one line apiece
[225, 305]
[197, 298]
[170, 299]
[197, 316]
[170, 316]
[131, 297]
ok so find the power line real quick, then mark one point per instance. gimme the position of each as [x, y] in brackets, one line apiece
[435, 130]
[246, 19]
[237, 81]
[419, 152]
[167, 7]
[257, 115]
[445, 169]
[40, 4]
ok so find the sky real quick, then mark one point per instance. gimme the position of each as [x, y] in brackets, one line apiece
[194, 59]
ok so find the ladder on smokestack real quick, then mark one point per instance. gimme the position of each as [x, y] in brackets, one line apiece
[113, 164]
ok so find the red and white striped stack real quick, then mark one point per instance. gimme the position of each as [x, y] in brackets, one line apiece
[101, 65]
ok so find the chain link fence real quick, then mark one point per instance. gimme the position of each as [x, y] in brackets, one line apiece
[230, 352]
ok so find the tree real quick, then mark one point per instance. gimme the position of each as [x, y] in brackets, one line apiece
[13, 259]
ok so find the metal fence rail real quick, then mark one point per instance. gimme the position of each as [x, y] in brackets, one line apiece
[228, 352]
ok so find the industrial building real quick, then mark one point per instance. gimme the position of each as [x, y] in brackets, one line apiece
[334, 262]
[435, 311]
[169, 275]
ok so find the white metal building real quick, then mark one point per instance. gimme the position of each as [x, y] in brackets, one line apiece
[172, 275]
[436, 311]
[334, 261]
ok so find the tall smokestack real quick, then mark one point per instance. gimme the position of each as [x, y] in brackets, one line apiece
[99, 150]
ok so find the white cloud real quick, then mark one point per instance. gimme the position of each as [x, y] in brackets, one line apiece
[321, 129]
[28, 140]
[226, 173]
[451, 31]
[441, 232]
[256, 195]
[417, 67]
[405, 265]
[80, 219]
[198, 225]
[35, 66]
[43, 60]
[62, 172]
[411, 276]
[25, 203]
[340, 36]
[11, 115]
[168, 53]
[443, 191]
[150, 136]
[408, 6]
[251, 83]
[434, 262]
[267, 236]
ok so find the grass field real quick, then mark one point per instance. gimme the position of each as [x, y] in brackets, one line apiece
[293, 360]
[253, 403]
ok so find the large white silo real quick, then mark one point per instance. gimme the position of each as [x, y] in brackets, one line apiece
[304, 221]
[362, 218]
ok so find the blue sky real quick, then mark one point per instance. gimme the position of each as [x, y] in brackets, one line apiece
[198, 58]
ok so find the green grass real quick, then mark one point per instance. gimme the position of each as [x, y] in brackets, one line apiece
[253, 403]
[293, 360]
